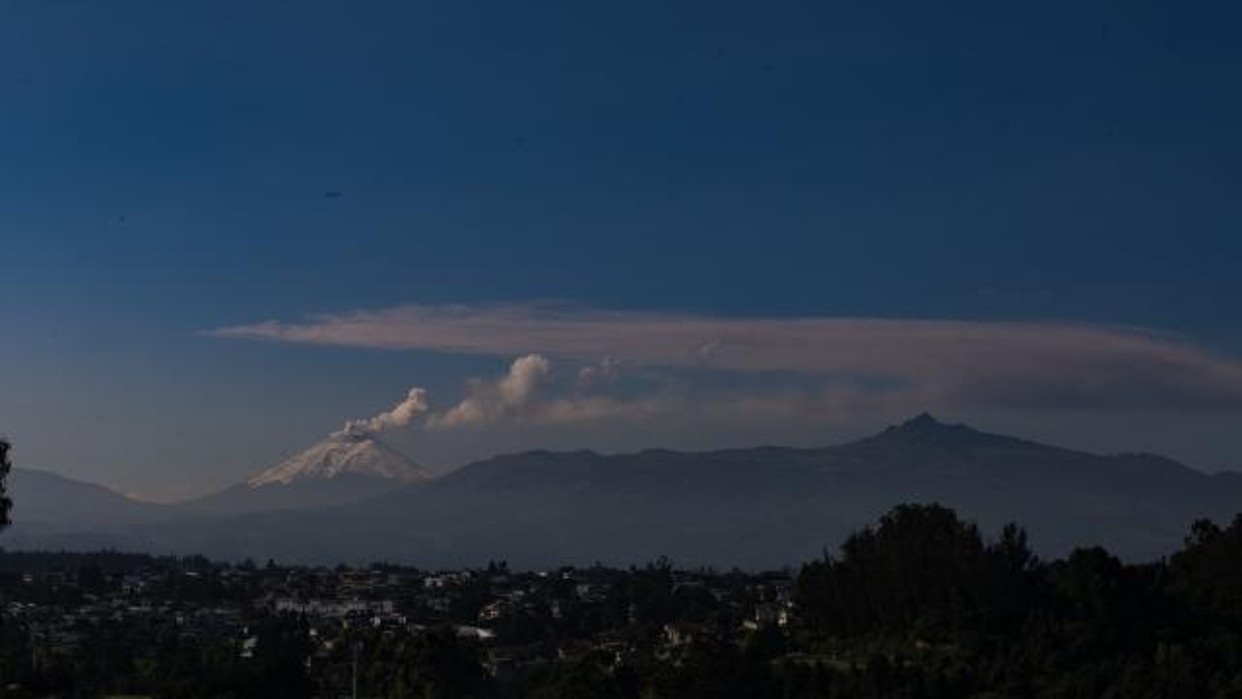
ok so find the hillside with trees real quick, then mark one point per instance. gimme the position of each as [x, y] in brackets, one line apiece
[922, 604]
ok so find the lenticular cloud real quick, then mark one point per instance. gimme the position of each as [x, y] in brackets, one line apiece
[966, 364]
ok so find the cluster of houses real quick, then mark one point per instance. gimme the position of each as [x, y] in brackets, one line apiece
[520, 620]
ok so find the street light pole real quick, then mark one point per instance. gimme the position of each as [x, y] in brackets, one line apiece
[354, 681]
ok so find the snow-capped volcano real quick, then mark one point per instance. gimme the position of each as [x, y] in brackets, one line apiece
[345, 453]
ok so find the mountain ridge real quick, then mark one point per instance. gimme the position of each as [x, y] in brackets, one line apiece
[755, 507]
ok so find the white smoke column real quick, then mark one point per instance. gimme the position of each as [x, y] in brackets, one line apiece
[525, 377]
[401, 415]
[510, 397]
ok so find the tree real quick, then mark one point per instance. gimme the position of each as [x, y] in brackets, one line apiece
[1207, 572]
[438, 665]
[278, 669]
[921, 568]
[5, 466]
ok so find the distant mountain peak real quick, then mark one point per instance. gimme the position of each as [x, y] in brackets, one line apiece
[927, 424]
[344, 453]
[923, 420]
[925, 430]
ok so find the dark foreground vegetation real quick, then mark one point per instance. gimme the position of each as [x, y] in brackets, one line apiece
[921, 605]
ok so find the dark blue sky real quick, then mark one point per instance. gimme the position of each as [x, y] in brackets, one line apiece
[165, 167]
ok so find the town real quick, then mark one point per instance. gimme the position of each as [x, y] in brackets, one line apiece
[190, 619]
[923, 605]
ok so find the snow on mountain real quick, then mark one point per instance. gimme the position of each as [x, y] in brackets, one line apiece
[348, 452]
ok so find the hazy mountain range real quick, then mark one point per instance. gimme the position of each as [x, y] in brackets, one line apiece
[353, 498]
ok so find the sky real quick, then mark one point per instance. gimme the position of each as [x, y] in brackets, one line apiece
[228, 227]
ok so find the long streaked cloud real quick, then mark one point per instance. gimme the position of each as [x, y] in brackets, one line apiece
[1022, 365]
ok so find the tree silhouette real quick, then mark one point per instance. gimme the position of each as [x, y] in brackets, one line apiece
[5, 466]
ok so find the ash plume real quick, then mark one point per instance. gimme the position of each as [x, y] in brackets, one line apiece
[400, 415]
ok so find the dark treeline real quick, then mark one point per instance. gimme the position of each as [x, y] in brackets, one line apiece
[107, 560]
[922, 605]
